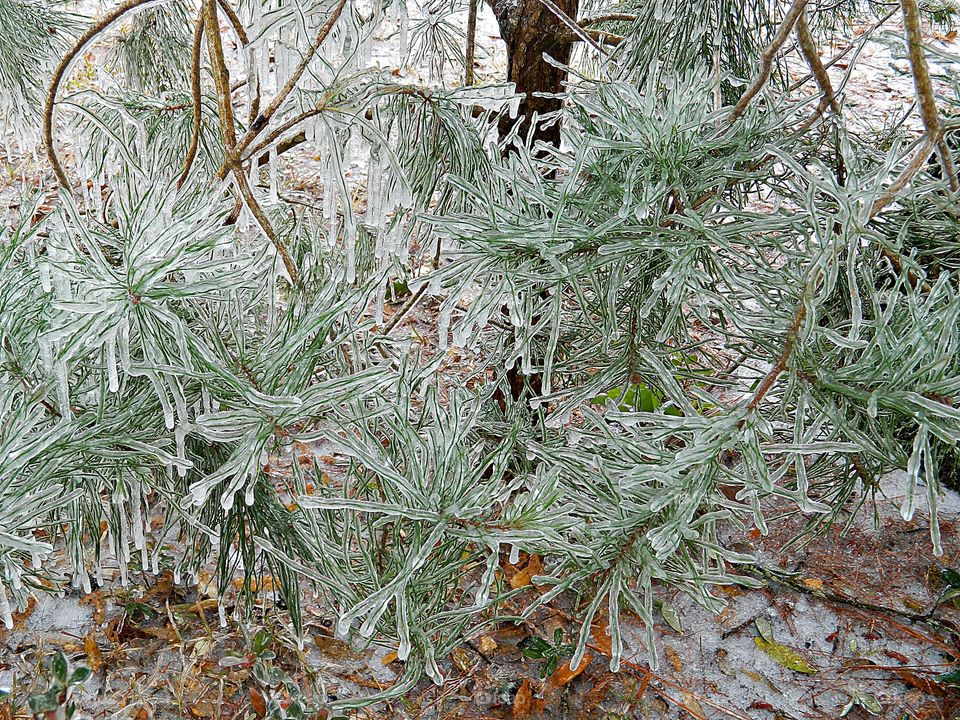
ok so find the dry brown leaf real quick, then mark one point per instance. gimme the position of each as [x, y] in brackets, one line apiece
[813, 583]
[6, 712]
[673, 657]
[524, 577]
[600, 637]
[563, 675]
[257, 703]
[523, 701]
[487, 645]
[390, 657]
[95, 600]
[94, 656]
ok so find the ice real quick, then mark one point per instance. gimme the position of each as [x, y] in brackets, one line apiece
[113, 381]
[63, 387]
[137, 516]
[5, 608]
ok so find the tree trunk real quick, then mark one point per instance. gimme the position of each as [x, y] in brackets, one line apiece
[529, 30]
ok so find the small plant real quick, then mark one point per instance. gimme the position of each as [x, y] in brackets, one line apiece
[56, 702]
[540, 649]
[277, 695]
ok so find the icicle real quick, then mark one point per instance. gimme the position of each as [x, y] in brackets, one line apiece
[379, 300]
[113, 381]
[63, 387]
[272, 174]
[85, 582]
[443, 325]
[248, 494]
[5, 608]
[222, 614]
[137, 515]
[350, 241]
[404, 31]
[180, 435]
[514, 554]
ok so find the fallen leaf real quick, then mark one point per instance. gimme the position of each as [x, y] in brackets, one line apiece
[390, 657]
[95, 599]
[813, 583]
[670, 616]
[257, 703]
[563, 675]
[94, 656]
[673, 657]
[523, 700]
[781, 654]
[487, 645]
[524, 577]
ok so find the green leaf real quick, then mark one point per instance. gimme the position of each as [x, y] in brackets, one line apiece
[59, 667]
[80, 675]
[670, 616]
[782, 655]
[950, 678]
[764, 628]
[46, 702]
[951, 577]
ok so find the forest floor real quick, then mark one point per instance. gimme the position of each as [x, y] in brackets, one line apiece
[847, 624]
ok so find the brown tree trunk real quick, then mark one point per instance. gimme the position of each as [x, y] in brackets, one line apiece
[529, 30]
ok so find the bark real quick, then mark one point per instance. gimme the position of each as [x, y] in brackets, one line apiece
[529, 30]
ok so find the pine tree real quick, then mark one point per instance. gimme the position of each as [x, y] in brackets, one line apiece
[653, 356]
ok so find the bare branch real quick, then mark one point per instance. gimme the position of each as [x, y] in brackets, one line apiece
[924, 87]
[61, 71]
[766, 60]
[197, 100]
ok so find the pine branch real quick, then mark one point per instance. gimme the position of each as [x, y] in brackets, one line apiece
[766, 60]
[197, 98]
[221, 76]
[924, 87]
[61, 71]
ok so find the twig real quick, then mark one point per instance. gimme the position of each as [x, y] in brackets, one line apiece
[578, 31]
[924, 87]
[197, 100]
[846, 50]
[766, 60]
[244, 39]
[926, 618]
[221, 78]
[612, 17]
[263, 118]
[808, 47]
[61, 71]
[783, 360]
[471, 42]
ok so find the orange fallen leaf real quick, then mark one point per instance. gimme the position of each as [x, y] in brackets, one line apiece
[94, 656]
[390, 657]
[524, 577]
[523, 701]
[257, 703]
[813, 583]
[673, 657]
[95, 599]
[563, 675]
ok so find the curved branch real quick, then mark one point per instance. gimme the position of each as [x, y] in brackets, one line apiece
[61, 71]
[197, 99]
[924, 87]
[221, 78]
[766, 60]
[612, 17]
[263, 118]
